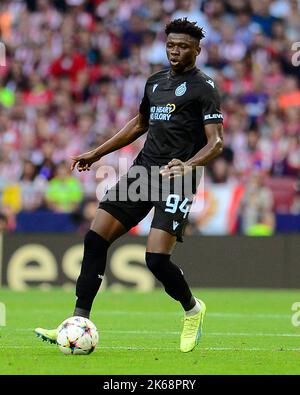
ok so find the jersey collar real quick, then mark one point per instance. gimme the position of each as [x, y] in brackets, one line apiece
[184, 74]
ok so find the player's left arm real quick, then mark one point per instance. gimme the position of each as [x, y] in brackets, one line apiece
[213, 148]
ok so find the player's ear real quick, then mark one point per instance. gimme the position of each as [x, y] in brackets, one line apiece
[198, 50]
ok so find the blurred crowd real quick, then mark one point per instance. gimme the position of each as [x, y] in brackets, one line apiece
[75, 73]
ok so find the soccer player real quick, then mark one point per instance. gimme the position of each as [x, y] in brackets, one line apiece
[181, 113]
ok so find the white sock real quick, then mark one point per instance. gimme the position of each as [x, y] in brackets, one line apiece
[194, 310]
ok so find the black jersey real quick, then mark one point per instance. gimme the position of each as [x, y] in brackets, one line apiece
[178, 107]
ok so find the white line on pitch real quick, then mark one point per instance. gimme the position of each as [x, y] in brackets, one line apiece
[167, 333]
[132, 348]
[204, 348]
[206, 334]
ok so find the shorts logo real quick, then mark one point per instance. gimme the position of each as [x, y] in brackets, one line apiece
[154, 87]
[181, 89]
[175, 225]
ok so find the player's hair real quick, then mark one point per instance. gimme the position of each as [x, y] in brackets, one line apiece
[183, 25]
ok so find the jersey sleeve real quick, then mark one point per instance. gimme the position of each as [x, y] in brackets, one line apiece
[144, 108]
[210, 104]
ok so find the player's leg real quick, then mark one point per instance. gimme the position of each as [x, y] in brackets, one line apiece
[167, 227]
[104, 230]
[160, 245]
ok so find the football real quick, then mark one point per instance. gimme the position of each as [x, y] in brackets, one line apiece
[77, 336]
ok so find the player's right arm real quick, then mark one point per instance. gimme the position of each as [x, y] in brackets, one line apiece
[135, 128]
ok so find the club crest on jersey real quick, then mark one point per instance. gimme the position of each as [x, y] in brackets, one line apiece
[154, 87]
[181, 89]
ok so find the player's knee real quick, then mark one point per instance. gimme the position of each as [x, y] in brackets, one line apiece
[156, 262]
[94, 243]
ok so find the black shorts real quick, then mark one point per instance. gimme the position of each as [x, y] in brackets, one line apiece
[171, 208]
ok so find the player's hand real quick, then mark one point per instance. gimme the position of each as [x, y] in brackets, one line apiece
[84, 161]
[175, 168]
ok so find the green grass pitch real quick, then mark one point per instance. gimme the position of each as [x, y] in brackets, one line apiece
[245, 332]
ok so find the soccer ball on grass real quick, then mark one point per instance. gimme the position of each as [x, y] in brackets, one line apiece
[77, 335]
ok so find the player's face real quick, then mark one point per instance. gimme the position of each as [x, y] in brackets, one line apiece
[182, 51]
